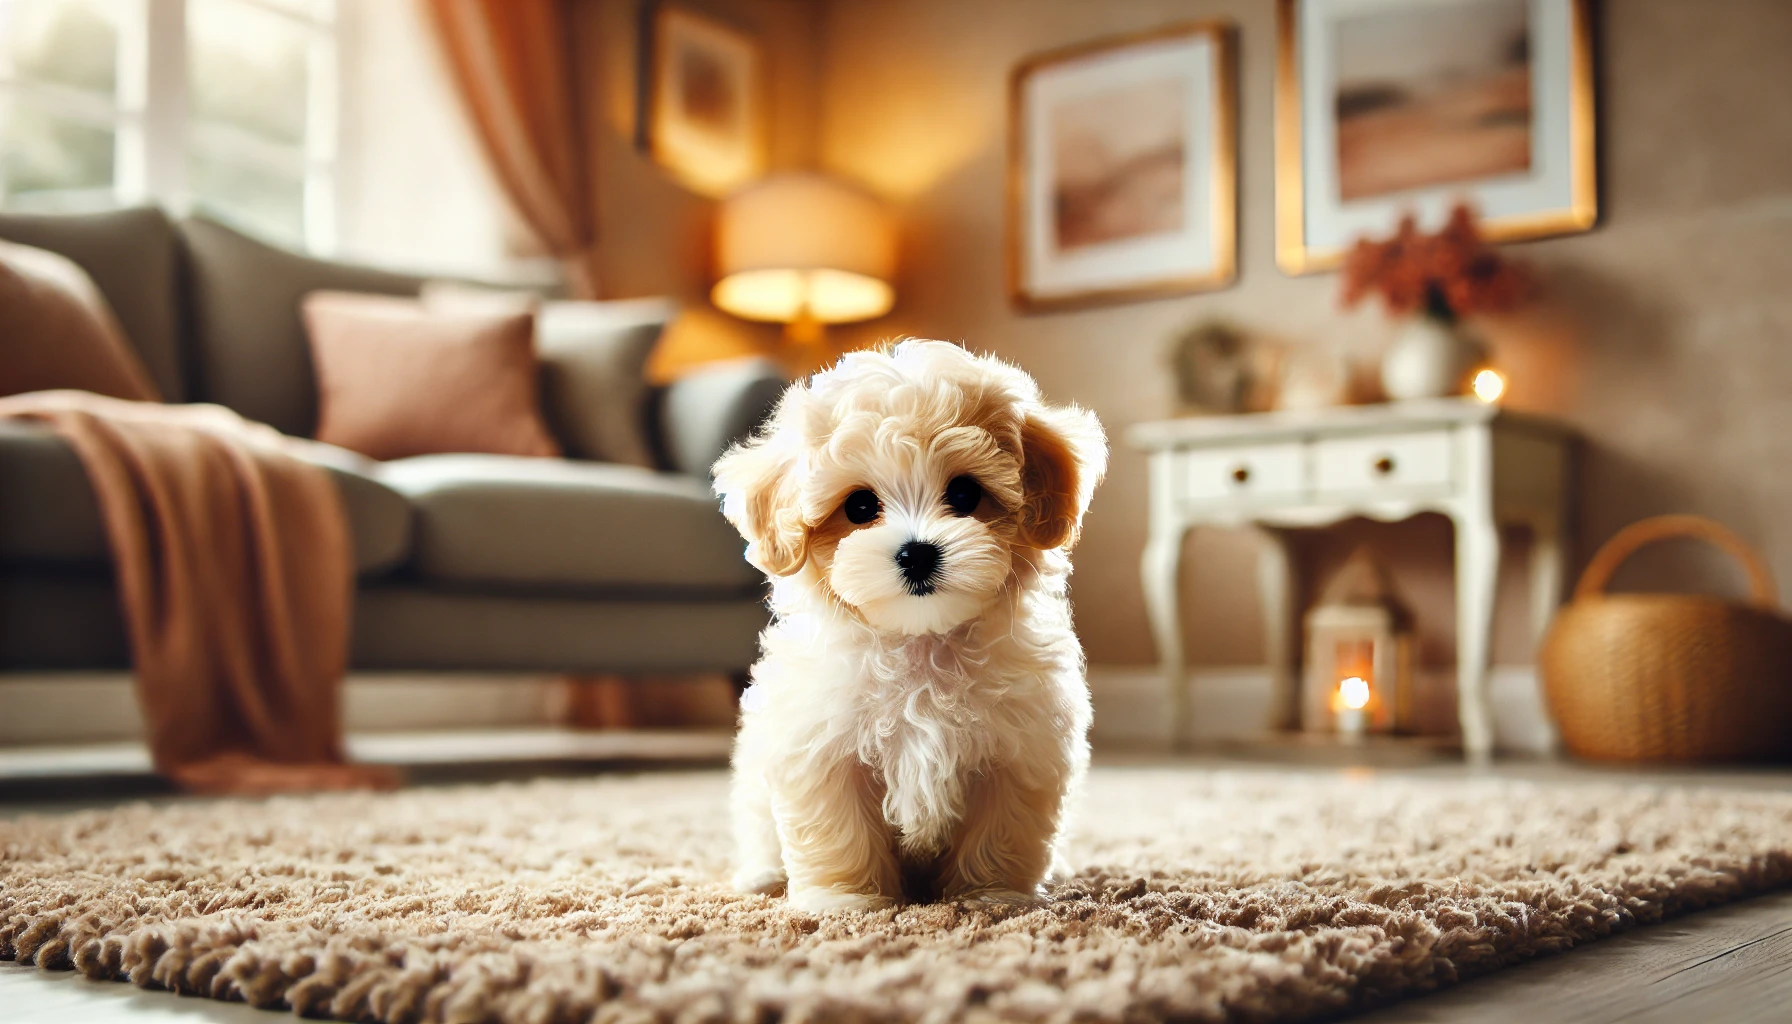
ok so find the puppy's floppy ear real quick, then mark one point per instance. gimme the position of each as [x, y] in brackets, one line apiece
[757, 482]
[1064, 454]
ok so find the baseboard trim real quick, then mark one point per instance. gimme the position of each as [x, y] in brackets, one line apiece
[100, 707]
[127, 758]
[1227, 703]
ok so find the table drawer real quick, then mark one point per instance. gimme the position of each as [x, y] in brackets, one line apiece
[1390, 462]
[1268, 471]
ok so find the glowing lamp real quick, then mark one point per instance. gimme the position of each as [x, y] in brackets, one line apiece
[804, 250]
[1358, 673]
[1488, 386]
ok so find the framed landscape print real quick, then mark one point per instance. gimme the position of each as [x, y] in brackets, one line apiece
[706, 117]
[1385, 107]
[1122, 167]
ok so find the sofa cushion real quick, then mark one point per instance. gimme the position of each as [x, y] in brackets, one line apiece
[710, 408]
[593, 364]
[396, 378]
[50, 517]
[494, 519]
[134, 257]
[247, 332]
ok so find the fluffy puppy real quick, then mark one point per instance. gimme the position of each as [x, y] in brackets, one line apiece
[919, 715]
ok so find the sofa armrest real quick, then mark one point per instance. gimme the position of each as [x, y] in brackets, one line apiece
[706, 411]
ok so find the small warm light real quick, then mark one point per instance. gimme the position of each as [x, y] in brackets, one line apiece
[1353, 693]
[1489, 386]
[830, 296]
[804, 249]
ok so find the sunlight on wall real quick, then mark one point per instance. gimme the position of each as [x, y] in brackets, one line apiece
[901, 138]
[608, 33]
[415, 189]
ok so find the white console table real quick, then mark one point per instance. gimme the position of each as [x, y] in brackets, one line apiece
[1481, 466]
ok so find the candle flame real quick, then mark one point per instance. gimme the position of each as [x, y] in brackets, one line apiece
[1489, 386]
[1353, 693]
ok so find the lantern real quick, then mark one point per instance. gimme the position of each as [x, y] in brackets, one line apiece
[1359, 655]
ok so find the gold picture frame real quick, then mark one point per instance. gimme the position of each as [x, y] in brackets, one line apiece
[1151, 260]
[706, 106]
[1573, 204]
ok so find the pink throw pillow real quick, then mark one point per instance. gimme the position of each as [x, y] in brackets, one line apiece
[396, 379]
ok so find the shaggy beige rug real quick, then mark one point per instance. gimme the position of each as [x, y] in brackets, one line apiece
[1200, 896]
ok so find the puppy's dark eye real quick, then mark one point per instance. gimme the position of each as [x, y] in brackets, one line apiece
[862, 506]
[963, 495]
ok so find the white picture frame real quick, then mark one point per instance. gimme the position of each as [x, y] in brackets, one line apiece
[1389, 107]
[1122, 169]
[706, 116]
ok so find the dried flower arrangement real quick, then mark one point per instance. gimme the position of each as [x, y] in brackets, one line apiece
[1447, 275]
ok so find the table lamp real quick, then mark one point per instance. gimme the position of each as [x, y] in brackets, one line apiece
[804, 250]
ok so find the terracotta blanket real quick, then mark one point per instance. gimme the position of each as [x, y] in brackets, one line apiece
[236, 573]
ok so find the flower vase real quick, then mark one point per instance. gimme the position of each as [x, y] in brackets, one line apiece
[1431, 358]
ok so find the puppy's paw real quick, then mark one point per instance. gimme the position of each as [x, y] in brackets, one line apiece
[759, 881]
[999, 897]
[817, 899]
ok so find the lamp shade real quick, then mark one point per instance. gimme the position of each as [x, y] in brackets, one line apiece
[804, 247]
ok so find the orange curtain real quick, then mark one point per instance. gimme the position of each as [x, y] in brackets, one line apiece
[512, 61]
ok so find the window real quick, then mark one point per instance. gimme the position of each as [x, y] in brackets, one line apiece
[227, 107]
[261, 105]
[61, 108]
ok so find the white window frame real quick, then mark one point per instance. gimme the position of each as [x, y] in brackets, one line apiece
[152, 122]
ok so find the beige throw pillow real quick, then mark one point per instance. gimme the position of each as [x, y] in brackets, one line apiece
[57, 331]
[396, 379]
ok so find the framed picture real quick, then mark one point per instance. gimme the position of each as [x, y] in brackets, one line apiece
[706, 120]
[1385, 107]
[1122, 169]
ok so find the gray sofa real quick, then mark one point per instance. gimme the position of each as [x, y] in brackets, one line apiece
[465, 562]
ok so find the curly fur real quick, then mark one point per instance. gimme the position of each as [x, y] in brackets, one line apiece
[899, 742]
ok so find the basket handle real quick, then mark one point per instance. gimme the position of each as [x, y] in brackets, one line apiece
[1645, 532]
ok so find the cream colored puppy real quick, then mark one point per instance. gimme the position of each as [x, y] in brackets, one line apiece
[919, 716]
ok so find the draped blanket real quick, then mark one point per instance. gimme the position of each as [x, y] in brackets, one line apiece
[236, 572]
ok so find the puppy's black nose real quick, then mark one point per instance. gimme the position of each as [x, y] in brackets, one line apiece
[919, 562]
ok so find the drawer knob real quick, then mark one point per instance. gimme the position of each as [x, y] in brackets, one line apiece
[1241, 474]
[1384, 465]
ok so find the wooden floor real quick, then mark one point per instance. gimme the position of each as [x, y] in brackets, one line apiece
[31, 996]
[1729, 964]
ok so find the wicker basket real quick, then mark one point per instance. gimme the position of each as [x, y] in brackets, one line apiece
[1667, 677]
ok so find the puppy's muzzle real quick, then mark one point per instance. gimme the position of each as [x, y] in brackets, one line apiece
[919, 562]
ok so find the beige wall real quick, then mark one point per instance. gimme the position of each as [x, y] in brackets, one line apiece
[1667, 338]
[413, 187]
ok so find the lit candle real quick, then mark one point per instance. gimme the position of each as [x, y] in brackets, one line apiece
[1489, 386]
[1352, 714]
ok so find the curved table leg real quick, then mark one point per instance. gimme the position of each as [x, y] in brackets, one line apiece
[1160, 569]
[1278, 584]
[1549, 567]
[1477, 578]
